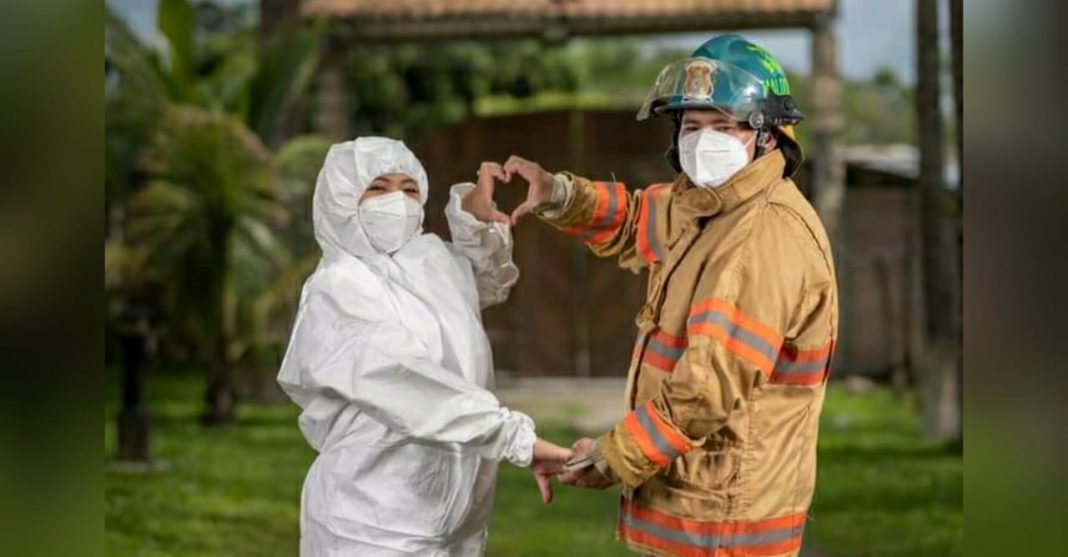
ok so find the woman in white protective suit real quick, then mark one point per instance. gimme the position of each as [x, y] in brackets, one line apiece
[391, 366]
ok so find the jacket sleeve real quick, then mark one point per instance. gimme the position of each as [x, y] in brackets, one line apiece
[380, 367]
[486, 245]
[613, 221]
[762, 319]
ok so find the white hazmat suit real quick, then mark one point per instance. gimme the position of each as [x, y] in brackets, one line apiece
[391, 366]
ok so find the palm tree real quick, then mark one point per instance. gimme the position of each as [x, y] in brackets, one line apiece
[205, 220]
[199, 199]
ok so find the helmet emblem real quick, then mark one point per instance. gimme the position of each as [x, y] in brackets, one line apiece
[698, 84]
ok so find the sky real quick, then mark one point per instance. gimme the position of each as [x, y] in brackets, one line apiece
[871, 34]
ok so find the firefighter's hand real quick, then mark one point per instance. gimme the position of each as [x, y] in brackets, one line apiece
[588, 477]
[539, 184]
[547, 462]
[479, 202]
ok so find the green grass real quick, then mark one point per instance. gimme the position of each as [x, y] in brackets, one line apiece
[881, 491]
[234, 491]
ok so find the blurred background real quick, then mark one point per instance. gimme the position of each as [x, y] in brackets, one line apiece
[218, 115]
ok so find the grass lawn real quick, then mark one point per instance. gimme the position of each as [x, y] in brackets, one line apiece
[235, 491]
[881, 491]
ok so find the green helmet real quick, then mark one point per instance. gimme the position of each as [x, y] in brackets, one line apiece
[736, 77]
[730, 74]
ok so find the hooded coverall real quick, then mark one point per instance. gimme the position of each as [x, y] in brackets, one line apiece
[391, 366]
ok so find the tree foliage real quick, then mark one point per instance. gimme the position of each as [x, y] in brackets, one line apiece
[198, 198]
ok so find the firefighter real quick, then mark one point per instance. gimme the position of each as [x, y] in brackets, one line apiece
[717, 454]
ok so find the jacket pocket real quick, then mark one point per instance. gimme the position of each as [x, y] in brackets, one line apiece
[705, 470]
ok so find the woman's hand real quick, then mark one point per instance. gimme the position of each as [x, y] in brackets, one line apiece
[479, 202]
[547, 462]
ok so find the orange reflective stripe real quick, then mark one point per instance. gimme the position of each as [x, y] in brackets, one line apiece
[734, 345]
[678, 442]
[657, 439]
[608, 213]
[609, 221]
[663, 363]
[602, 201]
[751, 323]
[637, 433]
[796, 366]
[734, 538]
[741, 334]
[668, 339]
[648, 242]
[664, 350]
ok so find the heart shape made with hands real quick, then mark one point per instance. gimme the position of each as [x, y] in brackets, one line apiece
[480, 201]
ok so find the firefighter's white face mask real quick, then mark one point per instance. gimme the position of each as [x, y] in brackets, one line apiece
[390, 220]
[710, 157]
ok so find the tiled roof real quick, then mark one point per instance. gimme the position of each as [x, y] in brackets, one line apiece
[432, 9]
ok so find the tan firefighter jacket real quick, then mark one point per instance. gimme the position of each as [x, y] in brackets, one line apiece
[717, 455]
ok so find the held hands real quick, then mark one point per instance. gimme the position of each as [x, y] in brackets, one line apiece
[480, 201]
[587, 475]
[572, 467]
[547, 462]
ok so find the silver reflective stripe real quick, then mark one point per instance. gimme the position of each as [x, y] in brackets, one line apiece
[647, 424]
[734, 330]
[609, 216]
[787, 367]
[713, 540]
[665, 350]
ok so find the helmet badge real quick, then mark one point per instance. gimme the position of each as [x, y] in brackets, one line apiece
[698, 84]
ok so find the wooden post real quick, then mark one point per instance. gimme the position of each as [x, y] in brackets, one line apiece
[956, 32]
[939, 377]
[826, 122]
[134, 424]
[828, 170]
[332, 96]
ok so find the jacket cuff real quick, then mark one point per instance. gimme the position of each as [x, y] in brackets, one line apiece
[461, 222]
[601, 464]
[520, 449]
[629, 476]
[563, 193]
[563, 206]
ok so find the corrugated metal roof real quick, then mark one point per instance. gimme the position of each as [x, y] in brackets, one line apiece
[901, 160]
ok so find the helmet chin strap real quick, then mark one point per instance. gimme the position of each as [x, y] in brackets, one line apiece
[761, 139]
[672, 154]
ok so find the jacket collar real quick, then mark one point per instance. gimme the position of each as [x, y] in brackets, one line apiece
[692, 201]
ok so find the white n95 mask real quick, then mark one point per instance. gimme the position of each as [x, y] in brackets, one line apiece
[390, 220]
[710, 157]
